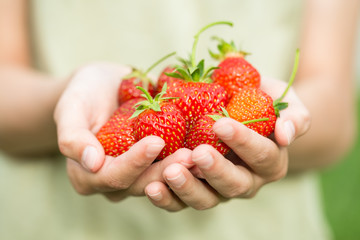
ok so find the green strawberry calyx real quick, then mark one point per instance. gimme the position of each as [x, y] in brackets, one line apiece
[226, 49]
[278, 104]
[143, 75]
[192, 71]
[150, 102]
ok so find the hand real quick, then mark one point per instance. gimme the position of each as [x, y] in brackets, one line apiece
[127, 174]
[88, 101]
[84, 107]
[254, 160]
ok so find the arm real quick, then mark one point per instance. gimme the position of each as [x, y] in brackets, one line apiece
[27, 97]
[325, 82]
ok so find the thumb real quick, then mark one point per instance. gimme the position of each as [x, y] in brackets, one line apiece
[293, 122]
[75, 138]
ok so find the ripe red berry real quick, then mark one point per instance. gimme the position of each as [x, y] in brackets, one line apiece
[253, 103]
[116, 135]
[234, 72]
[202, 133]
[160, 118]
[137, 78]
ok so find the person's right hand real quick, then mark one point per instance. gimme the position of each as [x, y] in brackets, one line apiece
[86, 104]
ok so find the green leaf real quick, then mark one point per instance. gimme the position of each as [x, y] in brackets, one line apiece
[185, 74]
[136, 113]
[209, 70]
[175, 75]
[214, 55]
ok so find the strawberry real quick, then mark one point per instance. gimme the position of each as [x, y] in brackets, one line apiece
[202, 132]
[116, 135]
[165, 78]
[233, 72]
[127, 89]
[253, 103]
[127, 108]
[196, 95]
[160, 118]
[197, 98]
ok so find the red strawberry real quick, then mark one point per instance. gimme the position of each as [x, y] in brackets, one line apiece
[116, 136]
[163, 78]
[196, 94]
[197, 98]
[253, 103]
[202, 132]
[127, 89]
[233, 72]
[160, 118]
[128, 106]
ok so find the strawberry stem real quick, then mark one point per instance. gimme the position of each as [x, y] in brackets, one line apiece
[193, 63]
[146, 94]
[278, 104]
[159, 61]
[292, 77]
[255, 120]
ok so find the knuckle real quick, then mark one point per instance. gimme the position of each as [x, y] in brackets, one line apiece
[65, 141]
[112, 183]
[260, 158]
[238, 191]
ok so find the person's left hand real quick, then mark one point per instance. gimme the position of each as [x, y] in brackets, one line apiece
[254, 161]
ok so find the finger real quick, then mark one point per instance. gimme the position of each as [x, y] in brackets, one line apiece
[226, 178]
[120, 172]
[160, 195]
[154, 173]
[116, 196]
[192, 191]
[261, 154]
[293, 122]
[76, 141]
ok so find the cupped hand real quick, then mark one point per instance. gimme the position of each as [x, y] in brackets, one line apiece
[253, 162]
[86, 104]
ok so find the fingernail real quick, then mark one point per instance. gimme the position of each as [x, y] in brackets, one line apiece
[89, 157]
[177, 181]
[156, 196]
[153, 150]
[224, 131]
[289, 130]
[204, 161]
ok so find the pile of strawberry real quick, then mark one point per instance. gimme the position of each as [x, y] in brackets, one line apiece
[187, 101]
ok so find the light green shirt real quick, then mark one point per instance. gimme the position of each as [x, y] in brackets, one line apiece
[37, 199]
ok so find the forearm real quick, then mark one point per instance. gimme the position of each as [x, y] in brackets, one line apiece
[27, 102]
[325, 83]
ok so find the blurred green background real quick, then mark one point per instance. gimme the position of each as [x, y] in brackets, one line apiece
[341, 191]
